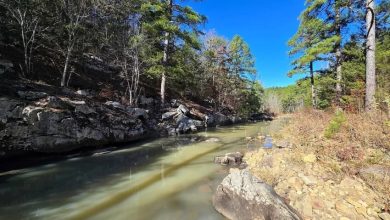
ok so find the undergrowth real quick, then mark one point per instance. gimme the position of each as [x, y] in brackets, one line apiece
[335, 124]
[345, 142]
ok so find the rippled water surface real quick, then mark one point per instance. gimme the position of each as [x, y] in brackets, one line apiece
[167, 178]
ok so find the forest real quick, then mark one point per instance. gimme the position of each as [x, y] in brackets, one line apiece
[333, 48]
[204, 109]
[131, 46]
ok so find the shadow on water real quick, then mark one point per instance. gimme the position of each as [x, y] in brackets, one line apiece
[54, 186]
[26, 188]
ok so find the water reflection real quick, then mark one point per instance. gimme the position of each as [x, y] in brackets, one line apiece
[168, 178]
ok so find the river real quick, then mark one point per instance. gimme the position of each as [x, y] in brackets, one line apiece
[166, 178]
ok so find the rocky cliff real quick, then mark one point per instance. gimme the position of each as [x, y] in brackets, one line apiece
[36, 117]
[37, 121]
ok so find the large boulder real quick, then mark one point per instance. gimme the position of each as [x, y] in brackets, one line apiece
[221, 119]
[182, 109]
[185, 124]
[168, 115]
[243, 196]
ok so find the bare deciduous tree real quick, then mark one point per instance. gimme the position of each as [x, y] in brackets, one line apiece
[130, 62]
[28, 27]
[74, 13]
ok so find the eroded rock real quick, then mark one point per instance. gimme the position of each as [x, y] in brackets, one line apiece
[243, 196]
[61, 125]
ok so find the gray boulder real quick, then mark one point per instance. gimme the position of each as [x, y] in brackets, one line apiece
[232, 159]
[221, 119]
[175, 103]
[168, 115]
[183, 110]
[185, 124]
[115, 105]
[30, 95]
[138, 113]
[209, 120]
[55, 102]
[243, 196]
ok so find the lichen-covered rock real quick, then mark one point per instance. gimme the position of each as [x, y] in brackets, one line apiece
[243, 196]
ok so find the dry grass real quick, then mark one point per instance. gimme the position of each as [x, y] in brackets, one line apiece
[360, 131]
[363, 140]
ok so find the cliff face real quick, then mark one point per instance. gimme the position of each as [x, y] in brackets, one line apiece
[40, 122]
[47, 119]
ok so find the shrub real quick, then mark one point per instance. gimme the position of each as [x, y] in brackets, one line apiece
[335, 124]
[350, 153]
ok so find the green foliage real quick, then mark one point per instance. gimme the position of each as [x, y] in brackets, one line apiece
[241, 60]
[325, 91]
[313, 39]
[252, 99]
[287, 99]
[383, 67]
[335, 124]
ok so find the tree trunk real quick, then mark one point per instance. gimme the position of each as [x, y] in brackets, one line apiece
[165, 62]
[63, 80]
[338, 58]
[165, 58]
[313, 91]
[370, 56]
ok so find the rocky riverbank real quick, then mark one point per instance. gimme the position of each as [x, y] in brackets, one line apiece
[325, 178]
[37, 117]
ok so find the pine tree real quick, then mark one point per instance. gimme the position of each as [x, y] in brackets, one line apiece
[321, 27]
[370, 55]
[308, 44]
[170, 24]
[241, 59]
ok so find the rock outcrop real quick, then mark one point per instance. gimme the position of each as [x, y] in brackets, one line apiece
[243, 196]
[181, 119]
[37, 122]
[37, 117]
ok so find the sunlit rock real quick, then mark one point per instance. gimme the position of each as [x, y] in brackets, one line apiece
[243, 196]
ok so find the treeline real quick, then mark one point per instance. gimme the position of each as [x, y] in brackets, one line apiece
[343, 46]
[153, 45]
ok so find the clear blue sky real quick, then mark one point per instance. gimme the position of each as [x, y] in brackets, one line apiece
[265, 25]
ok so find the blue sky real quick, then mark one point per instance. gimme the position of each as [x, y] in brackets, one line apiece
[265, 25]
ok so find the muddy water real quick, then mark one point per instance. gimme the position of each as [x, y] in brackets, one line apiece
[167, 178]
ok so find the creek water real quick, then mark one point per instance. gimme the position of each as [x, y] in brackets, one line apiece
[166, 178]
